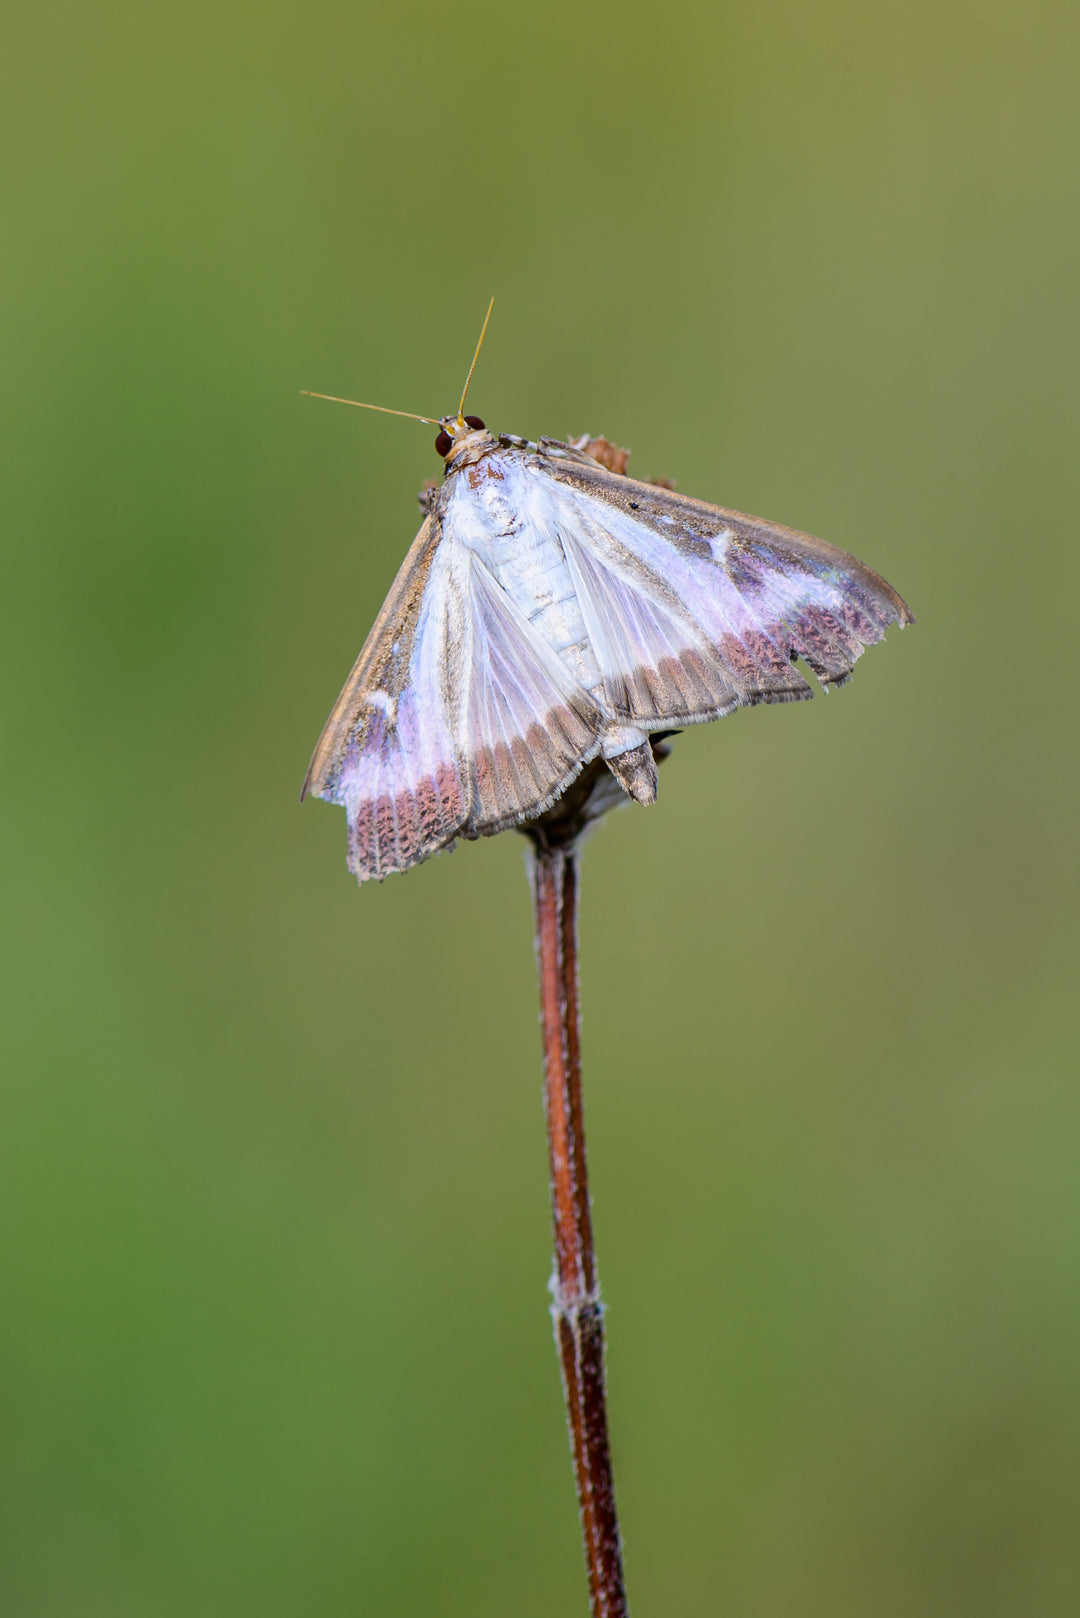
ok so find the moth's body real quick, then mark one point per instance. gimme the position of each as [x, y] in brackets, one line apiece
[551, 610]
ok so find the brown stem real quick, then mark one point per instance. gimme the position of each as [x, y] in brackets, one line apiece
[577, 1312]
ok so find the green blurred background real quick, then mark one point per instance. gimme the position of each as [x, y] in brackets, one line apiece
[275, 1334]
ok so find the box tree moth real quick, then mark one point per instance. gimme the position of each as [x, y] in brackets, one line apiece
[553, 610]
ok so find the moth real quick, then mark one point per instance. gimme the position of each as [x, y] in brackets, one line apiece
[553, 610]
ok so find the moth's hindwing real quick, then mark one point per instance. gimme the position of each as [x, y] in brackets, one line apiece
[526, 726]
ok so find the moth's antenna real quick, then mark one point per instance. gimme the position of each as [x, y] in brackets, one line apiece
[333, 398]
[472, 367]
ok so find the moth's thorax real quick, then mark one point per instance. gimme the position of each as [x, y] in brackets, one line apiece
[500, 510]
[468, 448]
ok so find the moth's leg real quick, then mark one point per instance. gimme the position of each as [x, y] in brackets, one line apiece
[428, 495]
[587, 451]
[563, 452]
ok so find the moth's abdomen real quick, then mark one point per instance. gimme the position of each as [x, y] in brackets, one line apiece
[537, 579]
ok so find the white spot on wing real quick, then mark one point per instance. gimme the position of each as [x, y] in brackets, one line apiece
[383, 700]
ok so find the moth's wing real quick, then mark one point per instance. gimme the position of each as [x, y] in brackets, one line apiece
[387, 752]
[693, 609]
[457, 717]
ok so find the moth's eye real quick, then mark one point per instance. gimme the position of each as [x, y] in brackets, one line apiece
[442, 444]
[474, 421]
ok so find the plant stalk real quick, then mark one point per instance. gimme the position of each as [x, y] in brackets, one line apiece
[576, 1310]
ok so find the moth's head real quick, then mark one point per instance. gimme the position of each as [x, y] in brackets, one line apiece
[462, 440]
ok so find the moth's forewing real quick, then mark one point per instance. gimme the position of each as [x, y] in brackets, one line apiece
[388, 753]
[456, 719]
[757, 594]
